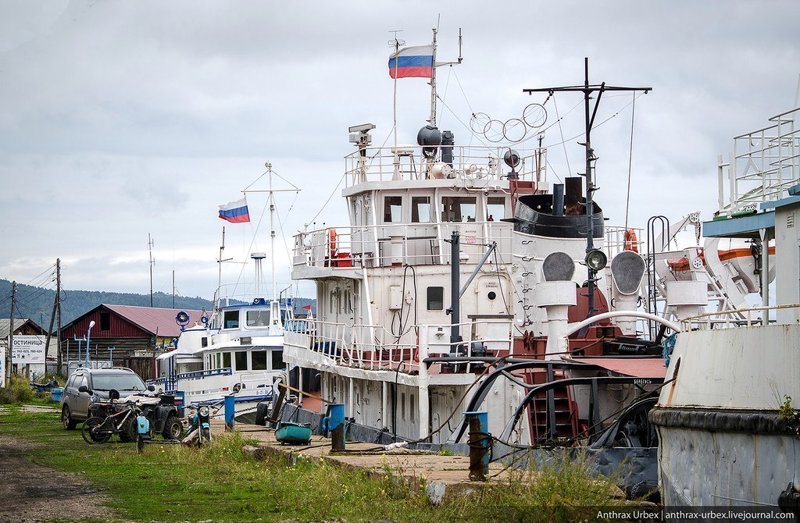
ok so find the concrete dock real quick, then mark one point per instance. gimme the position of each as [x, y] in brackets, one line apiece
[443, 475]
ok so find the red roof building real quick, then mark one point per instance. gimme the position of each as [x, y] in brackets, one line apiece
[126, 335]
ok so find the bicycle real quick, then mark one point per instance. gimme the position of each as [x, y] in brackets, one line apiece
[98, 429]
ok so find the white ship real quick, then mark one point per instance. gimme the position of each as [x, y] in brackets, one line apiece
[238, 350]
[465, 281]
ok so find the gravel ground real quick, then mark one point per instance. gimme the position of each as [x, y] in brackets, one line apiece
[31, 492]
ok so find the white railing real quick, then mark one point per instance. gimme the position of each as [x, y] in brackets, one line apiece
[765, 163]
[391, 244]
[751, 317]
[618, 238]
[409, 163]
[351, 346]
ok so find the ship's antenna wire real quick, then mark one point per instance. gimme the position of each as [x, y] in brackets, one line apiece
[630, 161]
[312, 220]
[561, 130]
[471, 132]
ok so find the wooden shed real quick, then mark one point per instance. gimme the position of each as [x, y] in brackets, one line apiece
[124, 335]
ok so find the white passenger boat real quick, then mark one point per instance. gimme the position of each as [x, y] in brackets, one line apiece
[238, 350]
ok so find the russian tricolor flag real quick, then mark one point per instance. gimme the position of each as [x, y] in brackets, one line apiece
[235, 212]
[412, 62]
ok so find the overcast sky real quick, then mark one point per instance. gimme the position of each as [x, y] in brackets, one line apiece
[121, 119]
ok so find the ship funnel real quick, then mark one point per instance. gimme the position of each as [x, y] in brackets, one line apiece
[558, 199]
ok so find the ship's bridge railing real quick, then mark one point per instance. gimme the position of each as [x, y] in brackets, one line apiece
[372, 347]
[765, 163]
[407, 162]
[735, 318]
[399, 244]
[618, 238]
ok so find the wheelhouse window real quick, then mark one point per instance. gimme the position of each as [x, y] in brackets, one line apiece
[231, 320]
[226, 359]
[258, 318]
[240, 358]
[495, 208]
[259, 359]
[392, 209]
[420, 209]
[435, 298]
[459, 209]
[277, 359]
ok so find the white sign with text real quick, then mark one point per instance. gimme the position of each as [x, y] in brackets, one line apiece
[28, 350]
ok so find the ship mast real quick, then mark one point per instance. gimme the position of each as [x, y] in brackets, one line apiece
[432, 119]
[589, 114]
[272, 231]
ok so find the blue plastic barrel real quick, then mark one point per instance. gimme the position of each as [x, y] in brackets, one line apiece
[55, 394]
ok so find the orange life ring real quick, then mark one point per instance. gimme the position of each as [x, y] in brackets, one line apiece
[631, 243]
[332, 241]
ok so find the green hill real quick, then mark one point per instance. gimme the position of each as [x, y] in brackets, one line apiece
[36, 303]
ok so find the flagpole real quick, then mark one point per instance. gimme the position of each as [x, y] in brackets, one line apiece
[394, 98]
[433, 82]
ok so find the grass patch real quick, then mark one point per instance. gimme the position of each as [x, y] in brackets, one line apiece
[19, 391]
[220, 483]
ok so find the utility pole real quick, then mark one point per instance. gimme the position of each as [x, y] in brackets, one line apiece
[589, 114]
[56, 300]
[11, 332]
[152, 261]
[58, 315]
[173, 288]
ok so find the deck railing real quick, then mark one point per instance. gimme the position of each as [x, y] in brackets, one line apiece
[372, 347]
[392, 244]
[765, 163]
[727, 319]
[407, 162]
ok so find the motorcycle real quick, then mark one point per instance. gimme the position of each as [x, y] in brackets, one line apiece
[199, 427]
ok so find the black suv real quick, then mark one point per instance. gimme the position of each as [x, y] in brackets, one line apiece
[76, 399]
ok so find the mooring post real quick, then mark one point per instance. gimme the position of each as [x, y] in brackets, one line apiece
[479, 441]
[230, 411]
[334, 423]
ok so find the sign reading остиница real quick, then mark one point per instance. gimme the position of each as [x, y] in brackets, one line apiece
[28, 350]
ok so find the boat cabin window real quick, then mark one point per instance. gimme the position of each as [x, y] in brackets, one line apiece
[392, 209]
[459, 209]
[240, 358]
[231, 320]
[218, 361]
[435, 298]
[259, 359]
[258, 318]
[277, 359]
[495, 208]
[420, 209]
[226, 359]
[204, 341]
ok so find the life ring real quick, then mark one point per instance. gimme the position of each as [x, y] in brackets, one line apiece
[332, 241]
[630, 241]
